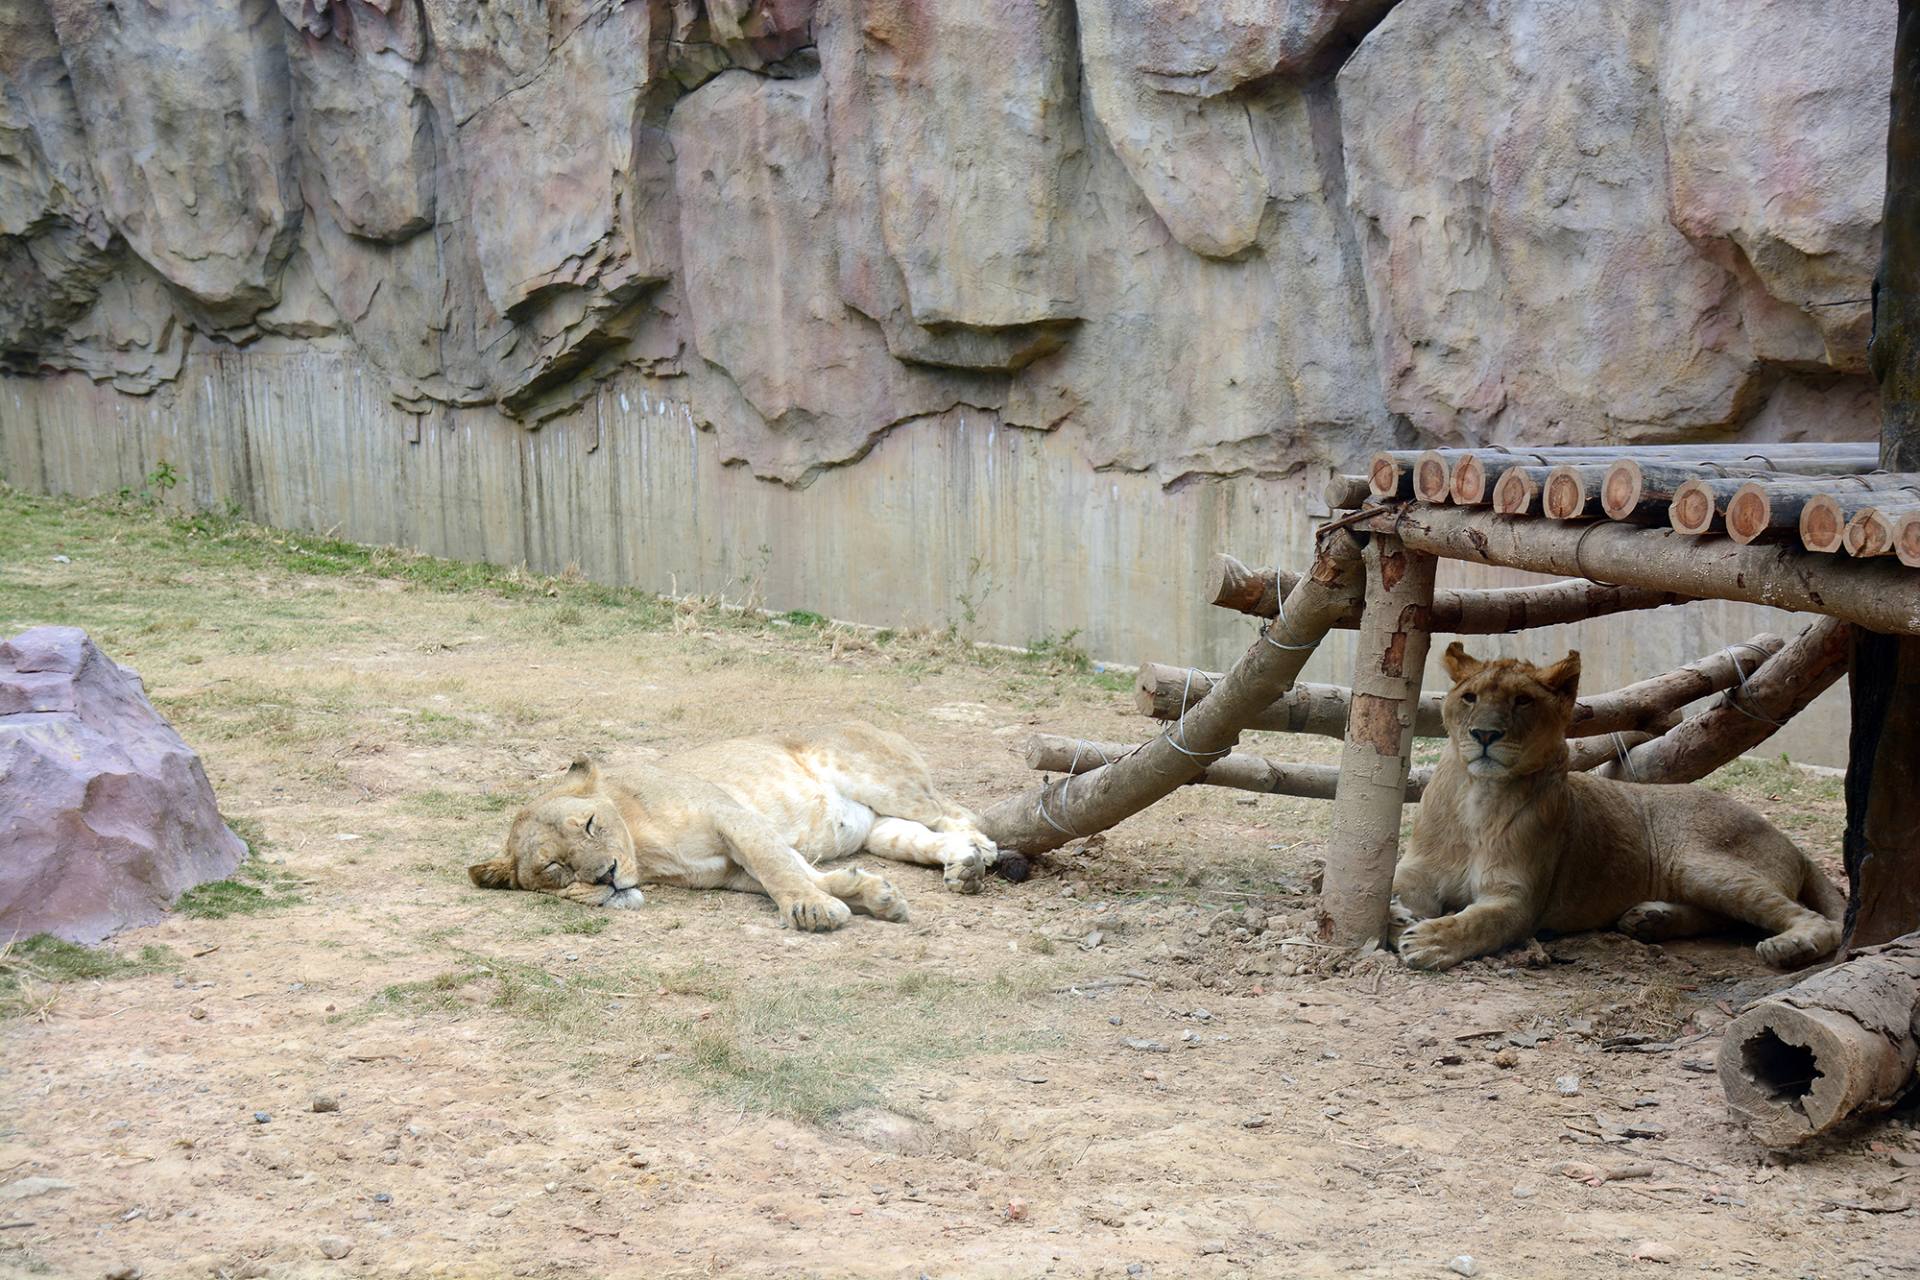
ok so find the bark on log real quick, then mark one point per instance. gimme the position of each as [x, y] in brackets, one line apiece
[1882, 841]
[1775, 691]
[1166, 692]
[1839, 1044]
[1390, 654]
[1761, 506]
[1646, 703]
[1054, 753]
[1347, 493]
[1233, 585]
[1877, 594]
[1873, 529]
[1048, 816]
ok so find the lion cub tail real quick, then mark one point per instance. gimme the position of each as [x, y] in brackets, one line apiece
[1819, 893]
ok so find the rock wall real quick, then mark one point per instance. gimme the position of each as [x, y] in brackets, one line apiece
[1215, 237]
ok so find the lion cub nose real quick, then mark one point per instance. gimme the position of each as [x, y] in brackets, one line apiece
[607, 876]
[1487, 737]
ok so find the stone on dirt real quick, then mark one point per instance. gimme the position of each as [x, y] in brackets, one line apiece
[335, 1247]
[105, 813]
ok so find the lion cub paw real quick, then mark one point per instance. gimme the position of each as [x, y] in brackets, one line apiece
[817, 915]
[968, 857]
[625, 900]
[1798, 948]
[1431, 944]
[879, 899]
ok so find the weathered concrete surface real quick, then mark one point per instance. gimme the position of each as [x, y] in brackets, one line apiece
[948, 518]
[105, 814]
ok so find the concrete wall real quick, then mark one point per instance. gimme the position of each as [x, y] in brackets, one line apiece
[950, 520]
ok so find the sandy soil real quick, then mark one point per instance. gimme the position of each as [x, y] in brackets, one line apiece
[1121, 1068]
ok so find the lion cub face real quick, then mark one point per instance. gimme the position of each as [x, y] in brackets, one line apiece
[571, 842]
[1508, 718]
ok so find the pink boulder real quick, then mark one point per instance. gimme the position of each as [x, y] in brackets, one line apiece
[105, 814]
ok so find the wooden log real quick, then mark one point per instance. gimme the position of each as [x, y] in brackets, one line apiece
[1774, 692]
[1347, 493]
[1390, 654]
[1697, 504]
[1881, 845]
[1873, 530]
[1874, 593]
[1431, 476]
[1906, 539]
[1761, 506]
[1585, 754]
[1517, 492]
[1166, 692]
[1651, 701]
[1048, 816]
[1233, 585]
[1839, 1044]
[1475, 470]
[1390, 473]
[1054, 753]
[1572, 491]
[1642, 490]
[1824, 517]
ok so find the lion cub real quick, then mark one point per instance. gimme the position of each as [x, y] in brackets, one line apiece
[752, 814]
[1508, 842]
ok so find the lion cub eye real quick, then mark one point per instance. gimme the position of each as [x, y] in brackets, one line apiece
[589, 826]
[1524, 700]
[1469, 697]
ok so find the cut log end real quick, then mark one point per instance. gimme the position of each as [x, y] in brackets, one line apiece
[1515, 493]
[1785, 1071]
[1868, 534]
[1431, 480]
[1906, 539]
[1383, 476]
[1620, 491]
[1565, 497]
[1692, 508]
[1749, 513]
[1470, 481]
[1823, 526]
[1347, 493]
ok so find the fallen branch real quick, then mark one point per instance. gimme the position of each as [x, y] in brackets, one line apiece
[1838, 1044]
[1048, 816]
[1773, 693]
[1234, 585]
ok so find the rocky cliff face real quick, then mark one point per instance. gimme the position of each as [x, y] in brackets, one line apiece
[1213, 236]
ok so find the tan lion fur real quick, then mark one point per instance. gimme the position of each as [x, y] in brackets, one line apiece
[1508, 842]
[752, 814]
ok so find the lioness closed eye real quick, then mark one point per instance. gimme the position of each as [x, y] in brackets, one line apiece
[1508, 842]
[752, 814]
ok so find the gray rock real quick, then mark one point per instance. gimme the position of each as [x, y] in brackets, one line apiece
[335, 1247]
[29, 1188]
[108, 814]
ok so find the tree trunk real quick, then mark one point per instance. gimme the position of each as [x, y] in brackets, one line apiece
[1838, 1044]
[1390, 655]
[1048, 816]
[1879, 594]
[1882, 843]
[1774, 692]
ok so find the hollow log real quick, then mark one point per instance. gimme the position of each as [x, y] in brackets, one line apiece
[1839, 1044]
[1761, 506]
[1873, 529]
[1054, 753]
[1165, 692]
[1774, 692]
[1517, 492]
[1347, 493]
[1048, 816]
[1233, 585]
[1877, 594]
[1390, 653]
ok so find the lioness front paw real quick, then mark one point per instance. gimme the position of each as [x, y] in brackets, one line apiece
[968, 858]
[1399, 920]
[1431, 944]
[818, 915]
[625, 900]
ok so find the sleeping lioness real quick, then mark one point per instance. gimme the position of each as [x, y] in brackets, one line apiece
[752, 814]
[1508, 842]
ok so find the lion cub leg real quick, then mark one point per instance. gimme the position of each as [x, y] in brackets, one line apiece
[865, 892]
[1665, 921]
[959, 853]
[1800, 936]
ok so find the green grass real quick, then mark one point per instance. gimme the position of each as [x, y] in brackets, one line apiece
[32, 969]
[255, 885]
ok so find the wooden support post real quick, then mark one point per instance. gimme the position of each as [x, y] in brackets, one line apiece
[1050, 815]
[1390, 655]
[1882, 841]
[1839, 1044]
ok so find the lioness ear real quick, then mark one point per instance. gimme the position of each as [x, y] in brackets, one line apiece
[494, 874]
[1563, 677]
[1459, 663]
[583, 772]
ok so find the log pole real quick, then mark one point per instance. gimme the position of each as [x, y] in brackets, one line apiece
[1839, 1044]
[1166, 693]
[1347, 493]
[1517, 491]
[1872, 530]
[1390, 655]
[1050, 815]
[1573, 491]
[1759, 507]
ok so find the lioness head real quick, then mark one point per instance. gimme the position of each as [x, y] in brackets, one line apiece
[1508, 718]
[571, 842]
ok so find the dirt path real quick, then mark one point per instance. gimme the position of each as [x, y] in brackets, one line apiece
[1122, 1068]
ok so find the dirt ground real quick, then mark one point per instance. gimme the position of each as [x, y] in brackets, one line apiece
[1133, 1065]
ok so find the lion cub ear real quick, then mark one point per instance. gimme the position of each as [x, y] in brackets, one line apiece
[583, 773]
[1563, 677]
[497, 873]
[1459, 663]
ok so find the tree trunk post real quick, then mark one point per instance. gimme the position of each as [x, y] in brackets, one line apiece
[1390, 656]
[1882, 843]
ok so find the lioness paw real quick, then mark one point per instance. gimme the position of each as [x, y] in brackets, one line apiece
[967, 858]
[1798, 948]
[625, 900]
[1429, 944]
[818, 915]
